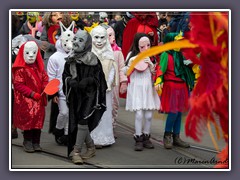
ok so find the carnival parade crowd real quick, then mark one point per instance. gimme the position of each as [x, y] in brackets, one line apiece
[90, 54]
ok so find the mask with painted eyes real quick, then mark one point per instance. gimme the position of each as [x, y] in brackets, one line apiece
[67, 36]
[144, 44]
[32, 17]
[30, 52]
[99, 37]
[80, 40]
[111, 35]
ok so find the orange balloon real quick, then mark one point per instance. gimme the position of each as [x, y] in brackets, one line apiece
[52, 87]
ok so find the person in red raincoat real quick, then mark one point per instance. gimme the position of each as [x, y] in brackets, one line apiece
[29, 80]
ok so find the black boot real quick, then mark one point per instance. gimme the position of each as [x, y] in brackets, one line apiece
[14, 133]
[36, 140]
[28, 146]
[146, 141]
[178, 142]
[27, 142]
[167, 140]
[58, 134]
[139, 143]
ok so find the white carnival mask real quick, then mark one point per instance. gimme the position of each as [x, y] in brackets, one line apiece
[144, 44]
[30, 52]
[111, 35]
[99, 37]
[67, 36]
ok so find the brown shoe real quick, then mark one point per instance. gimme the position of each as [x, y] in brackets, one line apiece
[178, 142]
[37, 147]
[90, 153]
[14, 133]
[138, 143]
[167, 140]
[98, 146]
[27, 146]
[76, 158]
[146, 141]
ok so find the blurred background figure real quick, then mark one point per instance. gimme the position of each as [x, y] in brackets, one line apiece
[119, 27]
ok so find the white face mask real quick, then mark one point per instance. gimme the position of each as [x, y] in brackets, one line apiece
[30, 52]
[111, 35]
[99, 37]
[144, 44]
[67, 36]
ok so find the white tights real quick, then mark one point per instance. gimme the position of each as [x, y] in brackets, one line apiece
[62, 119]
[139, 116]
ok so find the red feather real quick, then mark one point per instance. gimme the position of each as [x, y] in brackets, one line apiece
[209, 98]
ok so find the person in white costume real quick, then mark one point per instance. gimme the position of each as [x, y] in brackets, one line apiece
[55, 69]
[122, 77]
[142, 97]
[102, 135]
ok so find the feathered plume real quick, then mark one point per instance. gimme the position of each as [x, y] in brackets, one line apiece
[209, 99]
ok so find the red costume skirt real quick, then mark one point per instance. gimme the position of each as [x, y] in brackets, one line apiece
[174, 97]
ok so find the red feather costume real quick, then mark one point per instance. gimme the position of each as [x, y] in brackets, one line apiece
[28, 113]
[142, 22]
[209, 100]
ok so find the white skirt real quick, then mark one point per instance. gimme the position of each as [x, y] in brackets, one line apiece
[141, 95]
[103, 133]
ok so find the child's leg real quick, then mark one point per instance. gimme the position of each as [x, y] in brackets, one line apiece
[138, 122]
[80, 140]
[91, 150]
[167, 139]
[148, 121]
[36, 139]
[147, 129]
[138, 130]
[27, 143]
[171, 118]
[177, 123]
[176, 132]
[63, 115]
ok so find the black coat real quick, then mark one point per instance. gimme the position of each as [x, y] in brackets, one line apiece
[87, 101]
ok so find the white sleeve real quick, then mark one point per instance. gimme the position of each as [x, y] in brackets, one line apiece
[111, 75]
[51, 69]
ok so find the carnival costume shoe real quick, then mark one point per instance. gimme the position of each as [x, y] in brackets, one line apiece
[167, 140]
[14, 133]
[76, 158]
[90, 153]
[146, 141]
[139, 143]
[27, 146]
[178, 142]
[37, 147]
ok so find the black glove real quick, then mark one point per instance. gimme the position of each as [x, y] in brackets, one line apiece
[73, 83]
[89, 81]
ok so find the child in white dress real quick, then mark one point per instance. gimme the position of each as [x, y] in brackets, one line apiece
[142, 97]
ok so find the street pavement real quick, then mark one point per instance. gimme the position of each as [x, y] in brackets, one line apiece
[120, 155]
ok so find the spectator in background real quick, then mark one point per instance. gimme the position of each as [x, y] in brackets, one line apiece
[116, 18]
[183, 25]
[30, 26]
[79, 23]
[119, 27]
[162, 25]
